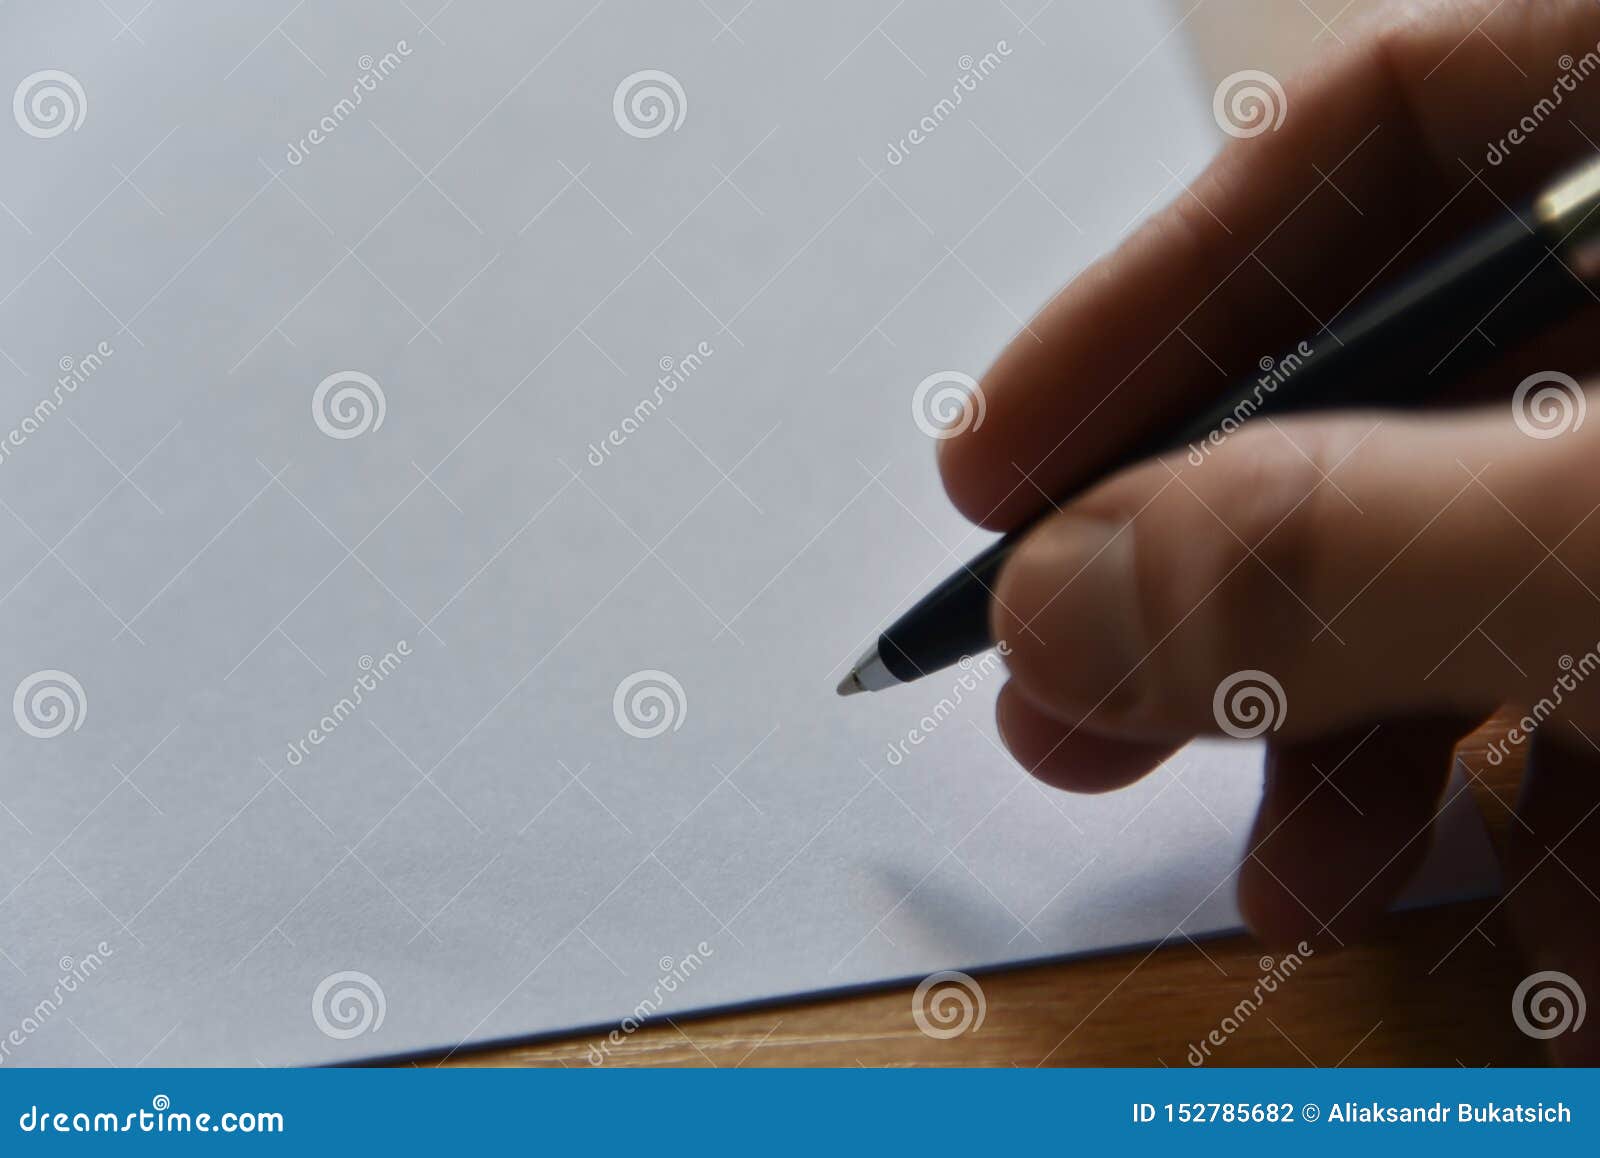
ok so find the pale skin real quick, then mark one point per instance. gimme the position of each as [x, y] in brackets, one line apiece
[1407, 574]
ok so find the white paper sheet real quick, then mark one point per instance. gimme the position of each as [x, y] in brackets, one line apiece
[224, 860]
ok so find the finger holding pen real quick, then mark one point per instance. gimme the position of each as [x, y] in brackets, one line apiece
[1364, 561]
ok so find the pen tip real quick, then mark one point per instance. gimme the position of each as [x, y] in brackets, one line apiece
[851, 684]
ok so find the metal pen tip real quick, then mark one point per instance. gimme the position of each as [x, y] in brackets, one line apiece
[869, 674]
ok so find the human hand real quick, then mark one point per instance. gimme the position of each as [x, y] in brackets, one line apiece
[1398, 576]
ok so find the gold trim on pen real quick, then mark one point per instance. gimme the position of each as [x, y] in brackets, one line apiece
[1570, 209]
[1579, 189]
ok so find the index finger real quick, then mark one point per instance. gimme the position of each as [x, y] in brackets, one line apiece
[1380, 158]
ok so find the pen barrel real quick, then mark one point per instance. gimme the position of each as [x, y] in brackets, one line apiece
[1396, 347]
[1406, 344]
[949, 623]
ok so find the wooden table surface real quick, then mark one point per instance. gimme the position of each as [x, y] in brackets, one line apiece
[1381, 1003]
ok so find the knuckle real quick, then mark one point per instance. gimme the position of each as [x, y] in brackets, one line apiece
[1228, 559]
[1283, 520]
[1401, 33]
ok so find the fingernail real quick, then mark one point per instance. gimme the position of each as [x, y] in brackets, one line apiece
[1067, 610]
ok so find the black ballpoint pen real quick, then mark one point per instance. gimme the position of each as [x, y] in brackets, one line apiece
[1391, 348]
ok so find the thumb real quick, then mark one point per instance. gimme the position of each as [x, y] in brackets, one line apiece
[1305, 576]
